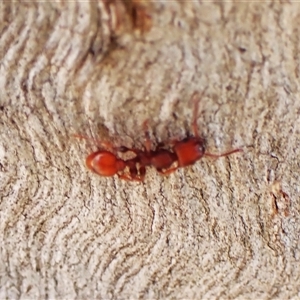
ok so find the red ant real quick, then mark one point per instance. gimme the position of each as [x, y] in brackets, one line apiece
[185, 152]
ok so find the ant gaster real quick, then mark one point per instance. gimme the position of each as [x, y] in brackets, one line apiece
[106, 163]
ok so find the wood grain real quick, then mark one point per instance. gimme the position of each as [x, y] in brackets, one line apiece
[226, 228]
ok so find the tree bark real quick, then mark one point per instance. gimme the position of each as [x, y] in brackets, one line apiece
[225, 228]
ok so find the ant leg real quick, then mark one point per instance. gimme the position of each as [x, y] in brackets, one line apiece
[127, 177]
[196, 99]
[133, 172]
[167, 172]
[147, 141]
[125, 149]
[100, 144]
[173, 141]
[223, 154]
[142, 172]
[132, 177]
[170, 142]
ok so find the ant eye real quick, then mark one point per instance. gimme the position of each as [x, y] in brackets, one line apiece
[201, 148]
[123, 149]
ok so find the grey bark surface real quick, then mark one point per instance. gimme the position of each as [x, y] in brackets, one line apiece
[226, 228]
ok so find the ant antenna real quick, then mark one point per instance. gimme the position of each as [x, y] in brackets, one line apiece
[223, 154]
[100, 144]
[196, 99]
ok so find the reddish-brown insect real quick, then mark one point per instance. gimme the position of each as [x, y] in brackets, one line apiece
[183, 152]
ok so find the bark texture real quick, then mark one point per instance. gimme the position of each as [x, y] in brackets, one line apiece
[226, 228]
